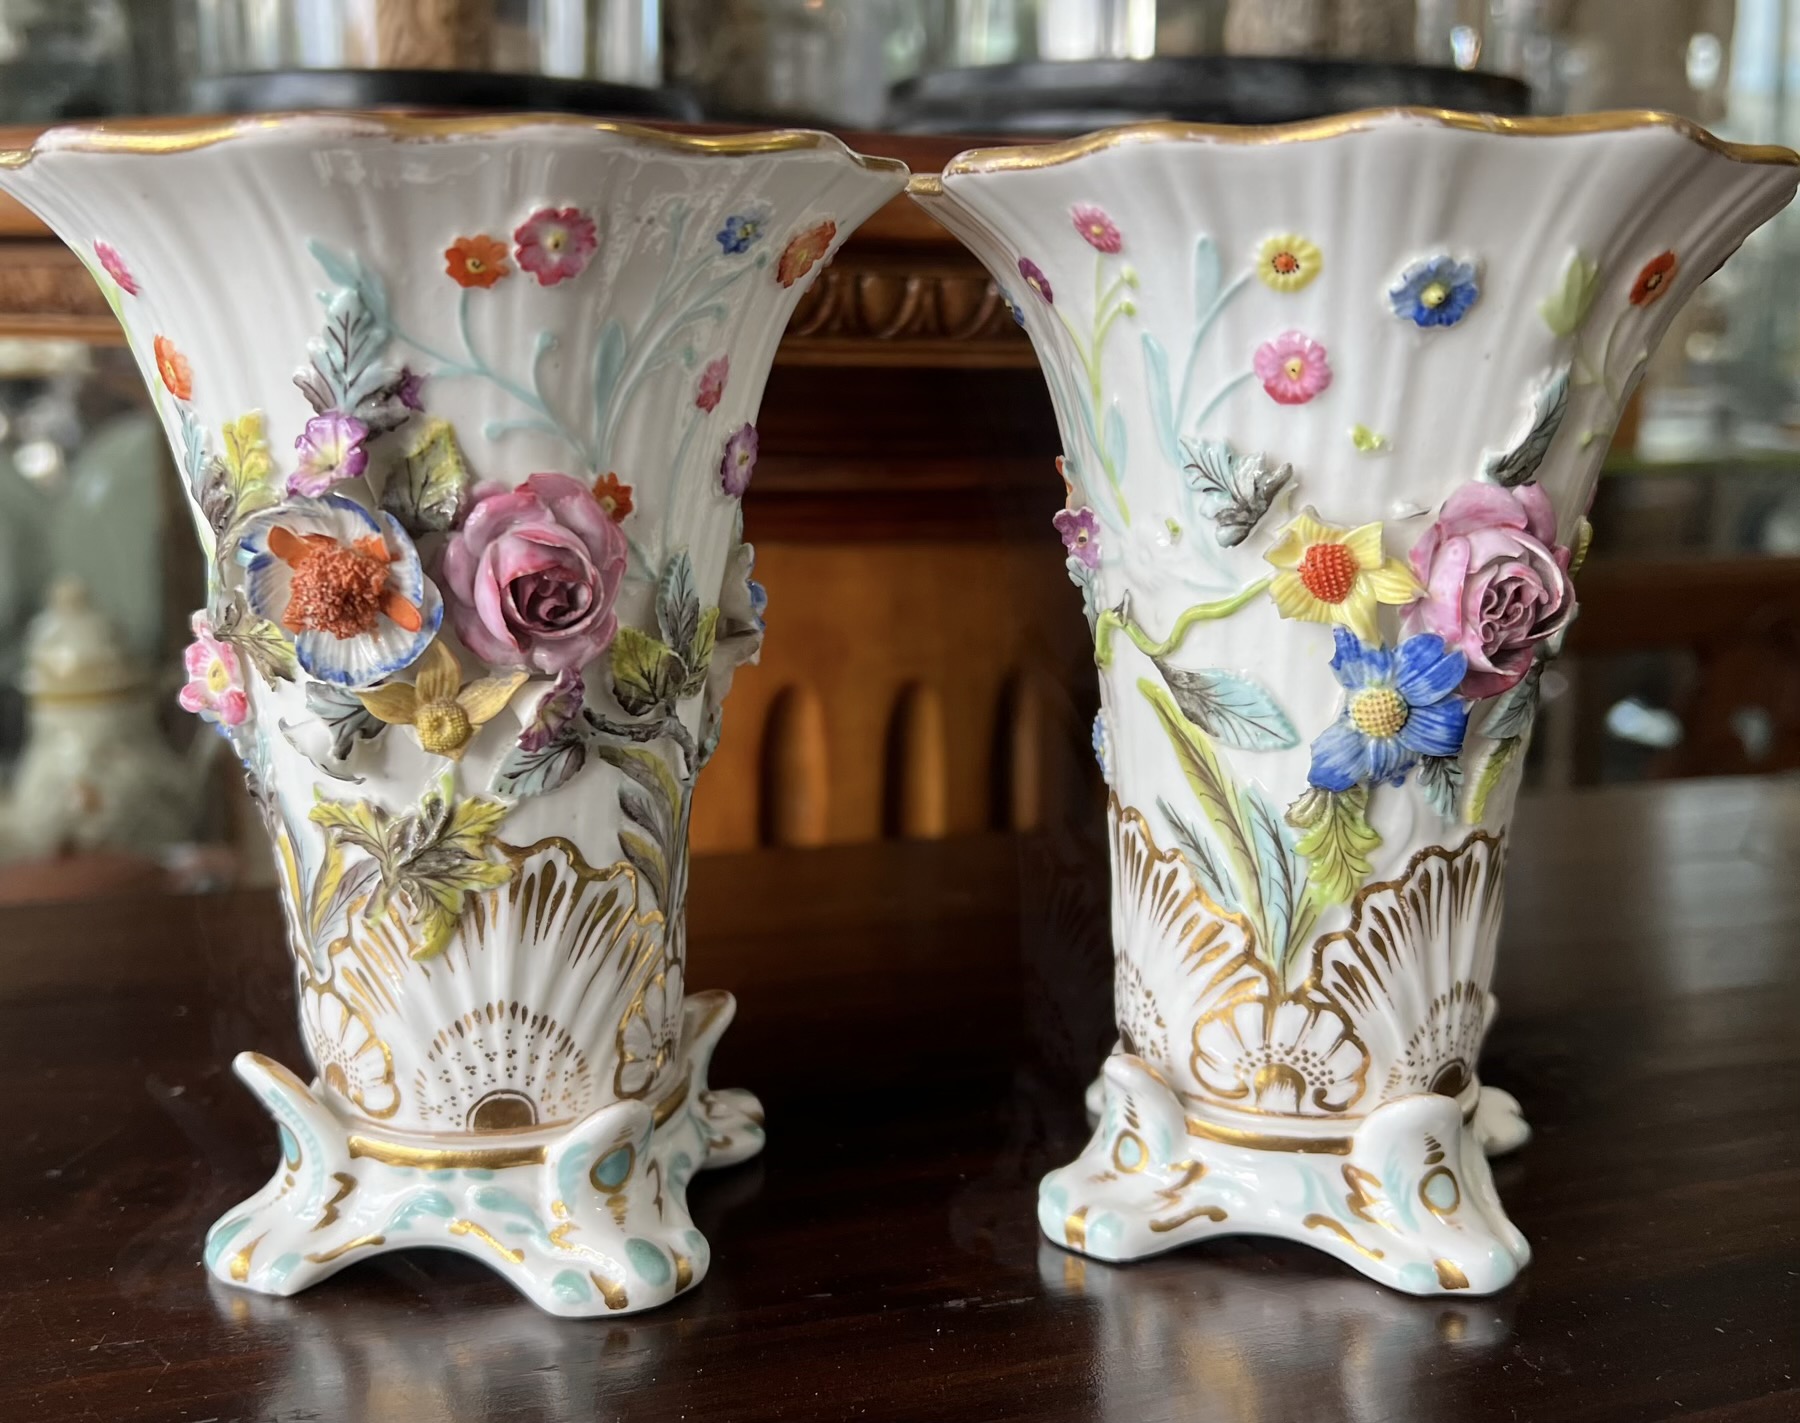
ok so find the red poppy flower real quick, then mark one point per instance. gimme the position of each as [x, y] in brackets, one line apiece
[804, 252]
[174, 369]
[476, 261]
[613, 497]
[1654, 280]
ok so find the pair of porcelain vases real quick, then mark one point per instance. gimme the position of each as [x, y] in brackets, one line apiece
[465, 410]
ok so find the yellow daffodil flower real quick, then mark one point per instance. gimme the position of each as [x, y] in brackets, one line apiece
[443, 713]
[1330, 575]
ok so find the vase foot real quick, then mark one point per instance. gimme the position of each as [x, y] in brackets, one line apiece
[588, 1219]
[1499, 1122]
[1407, 1199]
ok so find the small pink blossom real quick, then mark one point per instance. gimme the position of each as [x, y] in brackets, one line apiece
[333, 448]
[1080, 531]
[712, 384]
[555, 244]
[1097, 229]
[1292, 368]
[1034, 278]
[215, 684]
[114, 266]
[739, 462]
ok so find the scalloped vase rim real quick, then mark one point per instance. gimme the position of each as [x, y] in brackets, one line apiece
[1018, 157]
[154, 138]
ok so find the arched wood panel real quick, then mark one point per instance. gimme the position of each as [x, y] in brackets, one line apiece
[920, 660]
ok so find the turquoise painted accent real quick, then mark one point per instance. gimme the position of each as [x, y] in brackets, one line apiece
[477, 1173]
[649, 1261]
[1131, 1152]
[1420, 1279]
[503, 1202]
[681, 1171]
[425, 1203]
[221, 1237]
[696, 1244]
[290, 1149]
[1103, 1232]
[282, 1268]
[570, 1288]
[1401, 1201]
[613, 1169]
[440, 1175]
[1441, 1192]
[571, 1177]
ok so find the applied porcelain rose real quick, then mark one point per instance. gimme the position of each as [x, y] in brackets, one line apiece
[1333, 400]
[465, 409]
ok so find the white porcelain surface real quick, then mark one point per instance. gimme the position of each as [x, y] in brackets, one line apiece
[1422, 329]
[487, 933]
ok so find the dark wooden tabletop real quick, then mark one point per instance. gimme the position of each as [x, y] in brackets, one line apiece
[920, 1020]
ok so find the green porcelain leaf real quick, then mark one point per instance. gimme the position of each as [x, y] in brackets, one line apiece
[344, 716]
[678, 606]
[1493, 768]
[648, 861]
[263, 645]
[1287, 916]
[1208, 275]
[1203, 860]
[429, 482]
[523, 773]
[1441, 780]
[645, 672]
[1215, 790]
[1516, 708]
[1336, 840]
[1567, 307]
[1231, 709]
[1156, 375]
[1237, 490]
[1522, 461]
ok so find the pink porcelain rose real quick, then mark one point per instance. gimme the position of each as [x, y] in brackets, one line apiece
[1496, 582]
[532, 575]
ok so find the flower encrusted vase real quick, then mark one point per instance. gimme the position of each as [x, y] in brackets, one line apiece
[465, 412]
[1333, 399]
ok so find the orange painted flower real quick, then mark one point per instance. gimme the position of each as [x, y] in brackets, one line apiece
[613, 496]
[803, 252]
[1654, 280]
[174, 369]
[476, 261]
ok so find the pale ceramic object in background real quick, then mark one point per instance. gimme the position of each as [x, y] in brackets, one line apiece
[464, 408]
[95, 773]
[1334, 399]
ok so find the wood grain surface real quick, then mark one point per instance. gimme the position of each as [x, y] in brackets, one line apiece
[919, 1018]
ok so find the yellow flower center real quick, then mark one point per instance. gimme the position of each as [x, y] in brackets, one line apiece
[218, 680]
[443, 727]
[1379, 712]
[1295, 367]
[1434, 296]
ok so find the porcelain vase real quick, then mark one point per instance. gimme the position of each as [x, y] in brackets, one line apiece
[465, 411]
[1333, 400]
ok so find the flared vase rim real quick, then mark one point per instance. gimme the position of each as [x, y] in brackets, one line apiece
[1021, 157]
[153, 137]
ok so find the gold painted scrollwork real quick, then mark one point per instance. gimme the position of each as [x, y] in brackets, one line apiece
[1397, 1000]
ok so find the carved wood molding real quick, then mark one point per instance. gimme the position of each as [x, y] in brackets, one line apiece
[874, 307]
[44, 291]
